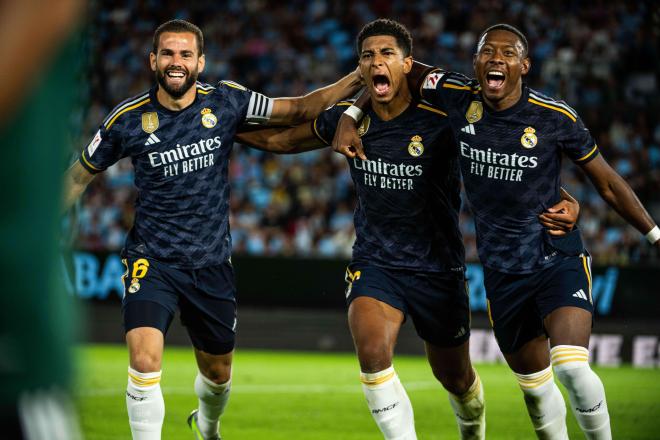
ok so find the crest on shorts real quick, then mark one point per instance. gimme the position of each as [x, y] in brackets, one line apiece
[415, 147]
[135, 285]
[209, 120]
[150, 122]
[529, 139]
[474, 112]
[364, 126]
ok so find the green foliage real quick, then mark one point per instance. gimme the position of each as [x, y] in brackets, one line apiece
[317, 396]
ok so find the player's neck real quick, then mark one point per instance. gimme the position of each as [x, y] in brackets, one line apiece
[506, 102]
[175, 104]
[390, 110]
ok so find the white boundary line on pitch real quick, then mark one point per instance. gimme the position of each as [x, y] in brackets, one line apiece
[268, 389]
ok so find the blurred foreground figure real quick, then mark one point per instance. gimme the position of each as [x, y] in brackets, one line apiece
[36, 100]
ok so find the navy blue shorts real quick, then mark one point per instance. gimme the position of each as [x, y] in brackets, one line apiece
[518, 303]
[438, 303]
[206, 298]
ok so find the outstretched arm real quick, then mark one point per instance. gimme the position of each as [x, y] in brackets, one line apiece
[291, 111]
[561, 218]
[282, 140]
[618, 194]
[76, 180]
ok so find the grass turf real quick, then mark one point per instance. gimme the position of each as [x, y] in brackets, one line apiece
[317, 396]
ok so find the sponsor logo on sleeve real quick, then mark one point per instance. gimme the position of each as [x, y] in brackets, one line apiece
[91, 148]
[432, 80]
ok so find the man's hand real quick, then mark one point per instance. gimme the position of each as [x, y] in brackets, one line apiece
[346, 140]
[561, 218]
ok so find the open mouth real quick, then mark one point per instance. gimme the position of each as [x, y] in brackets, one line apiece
[175, 74]
[495, 79]
[381, 84]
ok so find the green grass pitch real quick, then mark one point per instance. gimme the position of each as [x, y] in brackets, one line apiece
[317, 396]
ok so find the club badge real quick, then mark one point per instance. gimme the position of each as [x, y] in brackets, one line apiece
[149, 122]
[135, 285]
[209, 120]
[529, 139]
[416, 148]
[474, 112]
[364, 126]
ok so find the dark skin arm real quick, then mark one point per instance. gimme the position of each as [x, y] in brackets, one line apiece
[618, 194]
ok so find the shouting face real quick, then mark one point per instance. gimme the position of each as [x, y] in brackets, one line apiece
[499, 65]
[177, 63]
[383, 67]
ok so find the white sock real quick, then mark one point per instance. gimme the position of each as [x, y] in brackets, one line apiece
[389, 404]
[470, 411]
[585, 390]
[213, 398]
[145, 405]
[545, 404]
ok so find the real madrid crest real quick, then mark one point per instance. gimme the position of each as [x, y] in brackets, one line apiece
[364, 126]
[135, 285]
[529, 139]
[416, 148]
[474, 112]
[208, 119]
[149, 122]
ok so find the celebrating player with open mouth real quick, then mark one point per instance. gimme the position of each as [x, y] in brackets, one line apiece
[511, 139]
[179, 135]
[408, 257]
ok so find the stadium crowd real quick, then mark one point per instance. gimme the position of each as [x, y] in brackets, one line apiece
[603, 58]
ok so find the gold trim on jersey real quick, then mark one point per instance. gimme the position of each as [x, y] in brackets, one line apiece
[490, 315]
[552, 107]
[132, 107]
[204, 92]
[87, 162]
[452, 86]
[587, 270]
[588, 154]
[316, 132]
[344, 103]
[431, 109]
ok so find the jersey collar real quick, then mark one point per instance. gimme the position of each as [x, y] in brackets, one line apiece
[514, 108]
[159, 106]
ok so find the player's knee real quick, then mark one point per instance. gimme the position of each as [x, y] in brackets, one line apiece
[145, 362]
[218, 372]
[374, 357]
[455, 381]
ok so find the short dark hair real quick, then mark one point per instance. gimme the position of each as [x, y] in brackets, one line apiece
[385, 26]
[179, 26]
[509, 28]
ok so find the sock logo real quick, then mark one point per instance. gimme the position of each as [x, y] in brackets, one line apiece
[385, 409]
[590, 410]
[136, 398]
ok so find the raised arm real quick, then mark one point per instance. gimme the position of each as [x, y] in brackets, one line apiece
[618, 194]
[291, 111]
[282, 140]
[76, 180]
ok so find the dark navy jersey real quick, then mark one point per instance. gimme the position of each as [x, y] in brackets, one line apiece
[408, 189]
[180, 160]
[510, 162]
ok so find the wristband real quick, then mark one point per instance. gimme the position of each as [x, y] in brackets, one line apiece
[653, 235]
[354, 112]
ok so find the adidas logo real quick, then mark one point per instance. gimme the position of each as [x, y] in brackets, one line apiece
[580, 294]
[469, 129]
[461, 332]
[153, 139]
